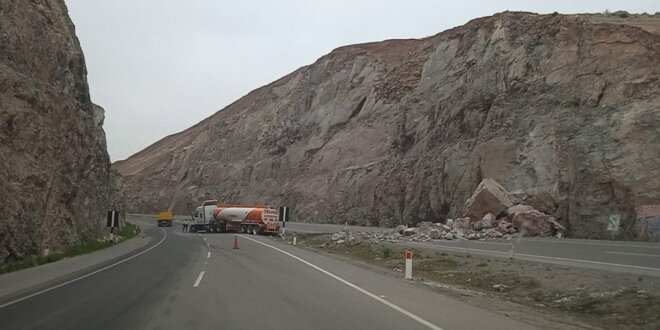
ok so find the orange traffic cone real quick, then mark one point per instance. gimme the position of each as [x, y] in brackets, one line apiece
[235, 242]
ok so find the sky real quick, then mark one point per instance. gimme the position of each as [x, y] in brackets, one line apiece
[161, 66]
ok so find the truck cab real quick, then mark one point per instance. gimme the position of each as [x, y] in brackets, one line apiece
[202, 217]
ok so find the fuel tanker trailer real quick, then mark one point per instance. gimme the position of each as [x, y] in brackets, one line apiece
[252, 219]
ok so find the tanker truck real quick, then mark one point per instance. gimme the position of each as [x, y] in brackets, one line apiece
[252, 219]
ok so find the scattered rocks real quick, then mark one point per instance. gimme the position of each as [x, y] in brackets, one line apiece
[500, 287]
[493, 233]
[490, 199]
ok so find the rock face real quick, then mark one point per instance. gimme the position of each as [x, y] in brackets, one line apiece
[55, 177]
[403, 131]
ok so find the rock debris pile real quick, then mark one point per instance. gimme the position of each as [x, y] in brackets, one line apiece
[490, 213]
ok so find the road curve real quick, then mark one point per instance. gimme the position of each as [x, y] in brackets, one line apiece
[193, 281]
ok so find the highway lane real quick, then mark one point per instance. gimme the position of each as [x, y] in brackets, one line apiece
[254, 287]
[116, 298]
[267, 284]
[642, 258]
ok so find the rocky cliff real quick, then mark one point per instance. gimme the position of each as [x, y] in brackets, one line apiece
[559, 109]
[55, 173]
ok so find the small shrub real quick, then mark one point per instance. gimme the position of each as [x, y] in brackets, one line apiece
[387, 252]
[621, 13]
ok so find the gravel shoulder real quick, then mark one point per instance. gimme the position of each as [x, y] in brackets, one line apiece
[549, 296]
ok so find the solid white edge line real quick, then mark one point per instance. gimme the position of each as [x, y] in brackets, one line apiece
[86, 275]
[635, 254]
[369, 294]
[199, 279]
[444, 247]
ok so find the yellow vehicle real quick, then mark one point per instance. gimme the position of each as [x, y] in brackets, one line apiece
[165, 219]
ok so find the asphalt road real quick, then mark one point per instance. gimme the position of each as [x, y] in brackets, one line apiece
[640, 258]
[197, 281]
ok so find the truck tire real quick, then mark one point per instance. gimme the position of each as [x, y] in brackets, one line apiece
[251, 230]
[257, 230]
[244, 229]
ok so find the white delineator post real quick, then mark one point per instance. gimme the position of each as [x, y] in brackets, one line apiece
[409, 256]
[294, 240]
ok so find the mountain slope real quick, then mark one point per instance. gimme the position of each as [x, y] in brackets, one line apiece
[402, 131]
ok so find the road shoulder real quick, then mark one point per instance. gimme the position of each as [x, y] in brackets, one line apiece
[16, 283]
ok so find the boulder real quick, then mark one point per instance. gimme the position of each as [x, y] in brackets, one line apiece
[400, 229]
[488, 221]
[531, 222]
[449, 236]
[425, 224]
[461, 224]
[449, 222]
[543, 202]
[520, 208]
[488, 197]
[409, 231]
[435, 233]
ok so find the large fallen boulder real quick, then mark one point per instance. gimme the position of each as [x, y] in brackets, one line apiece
[543, 202]
[531, 222]
[489, 197]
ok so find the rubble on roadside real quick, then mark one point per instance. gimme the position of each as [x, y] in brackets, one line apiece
[490, 213]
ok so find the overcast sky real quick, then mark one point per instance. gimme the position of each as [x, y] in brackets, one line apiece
[160, 66]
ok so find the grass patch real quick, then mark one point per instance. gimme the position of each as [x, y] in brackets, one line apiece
[387, 252]
[86, 246]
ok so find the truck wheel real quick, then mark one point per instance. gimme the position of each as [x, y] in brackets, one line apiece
[257, 230]
[243, 229]
[251, 230]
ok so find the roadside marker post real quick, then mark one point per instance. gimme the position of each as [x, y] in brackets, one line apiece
[294, 240]
[409, 256]
[284, 217]
[113, 221]
[511, 251]
[235, 243]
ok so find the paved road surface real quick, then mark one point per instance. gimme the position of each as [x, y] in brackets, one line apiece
[196, 281]
[632, 257]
